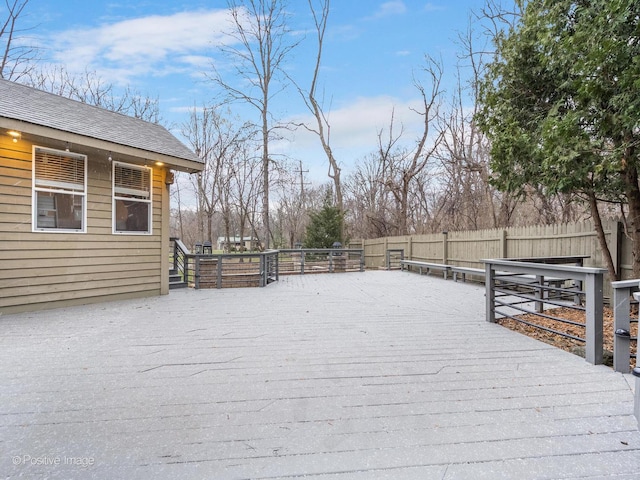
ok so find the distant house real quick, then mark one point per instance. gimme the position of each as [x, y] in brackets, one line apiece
[235, 244]
[84, 202]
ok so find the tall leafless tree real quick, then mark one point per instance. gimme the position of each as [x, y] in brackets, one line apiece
[257, 55]
[322, 127]
[18, 57]
[403, 165]
[216, 141]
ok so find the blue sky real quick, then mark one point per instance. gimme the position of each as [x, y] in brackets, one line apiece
[165, 48]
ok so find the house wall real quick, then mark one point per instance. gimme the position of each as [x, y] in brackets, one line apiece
[47, 270]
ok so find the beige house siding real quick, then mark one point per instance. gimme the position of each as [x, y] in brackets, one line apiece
[41, 270]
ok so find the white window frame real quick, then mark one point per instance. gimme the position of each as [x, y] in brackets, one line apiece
[57, 187]
[115, 197]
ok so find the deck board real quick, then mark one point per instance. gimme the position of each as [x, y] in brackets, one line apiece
[373, 375]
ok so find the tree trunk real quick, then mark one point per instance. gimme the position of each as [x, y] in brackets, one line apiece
[265, 178]
[633, 198]
[606, 252]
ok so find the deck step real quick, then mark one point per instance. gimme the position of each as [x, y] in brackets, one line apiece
[175, 280]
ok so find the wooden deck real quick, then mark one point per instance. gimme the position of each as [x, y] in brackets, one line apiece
[374, 375]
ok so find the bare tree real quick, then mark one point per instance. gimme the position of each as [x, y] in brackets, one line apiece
[322, 127]
[260, 30]
[17, 57]
[90, 88]
[402, 166]
[369, 200]
[216, 141]
[246, 191]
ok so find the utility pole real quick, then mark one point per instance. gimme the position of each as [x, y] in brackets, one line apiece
[302, 182]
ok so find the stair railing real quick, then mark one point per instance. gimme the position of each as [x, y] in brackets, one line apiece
[181, 258]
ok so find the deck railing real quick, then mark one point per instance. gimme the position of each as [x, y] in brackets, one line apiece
[224, 270]
[259, 269]
[622, 292]
[180, 258]
[515, 288]
[622, 322]
[302, 261]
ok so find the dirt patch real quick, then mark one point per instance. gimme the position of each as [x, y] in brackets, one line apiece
[568, 344]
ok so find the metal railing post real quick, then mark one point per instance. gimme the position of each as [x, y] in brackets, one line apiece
[594, 323]
[539, 293]
[621, 326]
[636, 401]
[219, 272]
[197, 279]
[263, 270]
[490, 284]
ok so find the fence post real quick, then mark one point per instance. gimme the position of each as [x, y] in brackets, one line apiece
[621, 325]
[490, 283]
[219, 274]
[503, 244]
[445, 247]
[594, 326]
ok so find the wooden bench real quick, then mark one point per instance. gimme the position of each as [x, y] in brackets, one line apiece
[425, 266]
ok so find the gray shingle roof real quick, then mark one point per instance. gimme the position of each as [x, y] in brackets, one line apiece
[37, 107]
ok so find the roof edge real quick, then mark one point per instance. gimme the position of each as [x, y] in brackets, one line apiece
[177, 163]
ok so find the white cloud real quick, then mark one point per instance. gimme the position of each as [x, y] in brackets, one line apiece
[430, 7]
[394, 7]
[354, 131]
[155, 45]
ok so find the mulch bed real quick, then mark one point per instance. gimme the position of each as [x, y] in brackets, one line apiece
[569, 344]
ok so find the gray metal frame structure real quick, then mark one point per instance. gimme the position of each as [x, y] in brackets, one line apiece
[505, 277]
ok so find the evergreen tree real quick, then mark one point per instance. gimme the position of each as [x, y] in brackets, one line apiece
[561, 102]
[326, 226]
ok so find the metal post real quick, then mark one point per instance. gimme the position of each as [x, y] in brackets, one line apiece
[621, 325]
[490, 284]
[219, 272]
[539, 294]
[185, 264]
[594, 335]
[636, 402]
[197, 281]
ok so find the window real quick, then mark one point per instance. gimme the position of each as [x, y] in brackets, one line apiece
[131, 199]
[59, 190]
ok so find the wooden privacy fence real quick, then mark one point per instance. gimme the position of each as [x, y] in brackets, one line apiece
[469, 248]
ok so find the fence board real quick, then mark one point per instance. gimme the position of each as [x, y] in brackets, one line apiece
[468, 248]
